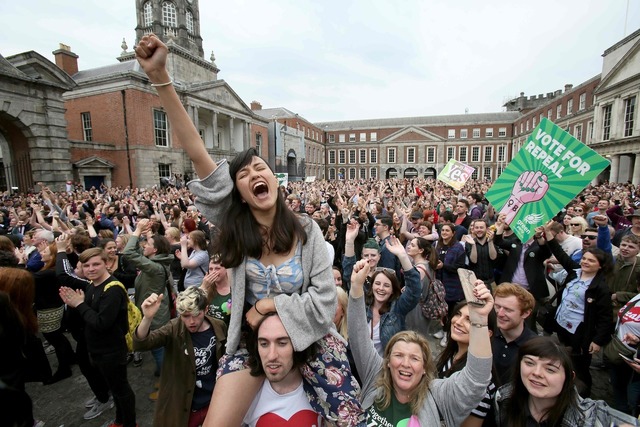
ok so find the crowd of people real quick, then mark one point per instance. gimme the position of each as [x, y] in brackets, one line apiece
[314, 302]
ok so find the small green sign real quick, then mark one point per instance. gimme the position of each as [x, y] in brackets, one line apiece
[548, 171]
[283, 179]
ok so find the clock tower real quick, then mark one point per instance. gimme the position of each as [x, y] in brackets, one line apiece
[176, 21]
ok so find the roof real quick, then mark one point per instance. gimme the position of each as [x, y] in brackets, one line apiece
[117, 68]
[278, 113]
[458, 119]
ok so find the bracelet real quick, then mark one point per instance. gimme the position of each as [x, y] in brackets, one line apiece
[256, 307]
[170, 82]
[479, 325]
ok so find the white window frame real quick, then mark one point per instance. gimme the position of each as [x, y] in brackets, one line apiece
[147, 14]
[577, 132]
[373, 156]
[332, 157]
[373, 173]
[463, 153]
[606, 122]
[463, 133]
[342, 157]
[570, 106]
[502, 153]
[629, 116]
[476, 133]
[362, 154]
[431, 153]
[352, 137]
[352, 173]
[169, 14]
[451, 153]
[488, 133]
[558, 111]
[166, 168]
[474, 175]
[160, 128]
[411, 154]
[352, 157]
[189, 19]
[392, 158]
[502, 132]
[342, 137]
[332, 173]
[487, 172]
[373, 137]
[332, 138]
[451, 134]
[488, 149]
[363, 137]
[475, 154]
[582, 101]
[363, 173]
[87, 129]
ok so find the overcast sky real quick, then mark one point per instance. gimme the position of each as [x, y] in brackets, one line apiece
[339, 60]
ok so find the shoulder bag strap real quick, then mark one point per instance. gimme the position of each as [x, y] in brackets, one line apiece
[631, 272]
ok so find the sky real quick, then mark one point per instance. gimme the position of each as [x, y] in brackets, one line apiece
[336, 60]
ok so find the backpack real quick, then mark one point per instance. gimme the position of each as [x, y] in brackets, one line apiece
[134, 316]
[432, 302]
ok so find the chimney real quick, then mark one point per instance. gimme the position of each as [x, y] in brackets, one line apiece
[66, 60]
[568, 87]
[256, 106]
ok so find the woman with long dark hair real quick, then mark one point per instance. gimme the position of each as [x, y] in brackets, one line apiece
[276, 261]
[451, 257]
[543, 392]
[425, 260]
[454, 357]
[582, 319]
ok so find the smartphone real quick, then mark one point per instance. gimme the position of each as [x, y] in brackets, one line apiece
[467, 279]
[629, 360]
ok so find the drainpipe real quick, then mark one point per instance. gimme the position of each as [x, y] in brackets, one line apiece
[126, 136]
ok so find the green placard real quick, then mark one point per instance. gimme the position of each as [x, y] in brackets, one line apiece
[548, 172]
[283, 179]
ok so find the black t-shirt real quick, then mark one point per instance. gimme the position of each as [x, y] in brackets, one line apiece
[204, 349]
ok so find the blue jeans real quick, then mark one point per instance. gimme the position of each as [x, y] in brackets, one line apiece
[626, 388]
[158, 356]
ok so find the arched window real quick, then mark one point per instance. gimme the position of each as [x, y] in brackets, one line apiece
[147, 14]
[169, 15]
[189, 22]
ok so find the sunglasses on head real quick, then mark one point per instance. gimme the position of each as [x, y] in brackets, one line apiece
[385, 269]
[588, 236]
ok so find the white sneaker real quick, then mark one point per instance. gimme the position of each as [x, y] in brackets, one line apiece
[97, 409]
[443, 342]
[439, 334]
[91, 402]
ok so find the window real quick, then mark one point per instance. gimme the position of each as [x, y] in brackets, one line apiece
[463, 133]
[475, 154]
[352, 156]
[259, 143]
[363, 156]
[373, 156]
[499, 171]
[533, 122]
[342, 174]
[502, 132]
[558, 111]
[374, 136]
[474, 175]
[363, 137]
[332, 173]
[411, 155]
[189, 22]
[164, 170]
[476, 133]
[87, 132]
[629, 112]
[373, 173]
[160, 127]
[589, 131]
[487, 173]
[352, 137]
[332, 138]
[452, 134]
[169, 16]
[521, 127]
[488, 153]
[488, 133]
[332, 157]
[527, 126]
[342, 157]
[577, 132]
[352, 173]
[391, 155]
[582, 102]
[363, 173]
[501, 153]
[549, 112]
[451, 153]
[341, 137]
[463, 154]
[431, 154]
[606, 122]
[147, 14]
[570, 106]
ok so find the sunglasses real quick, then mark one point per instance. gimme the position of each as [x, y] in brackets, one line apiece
[588, 236]
[384, 269]
[575, 225]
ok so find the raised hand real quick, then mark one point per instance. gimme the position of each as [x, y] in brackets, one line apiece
[151, 305]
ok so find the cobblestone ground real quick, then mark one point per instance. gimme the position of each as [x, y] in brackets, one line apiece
[62, 404]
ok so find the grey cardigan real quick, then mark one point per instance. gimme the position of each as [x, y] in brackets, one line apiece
[307, 316]
[453, 397]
